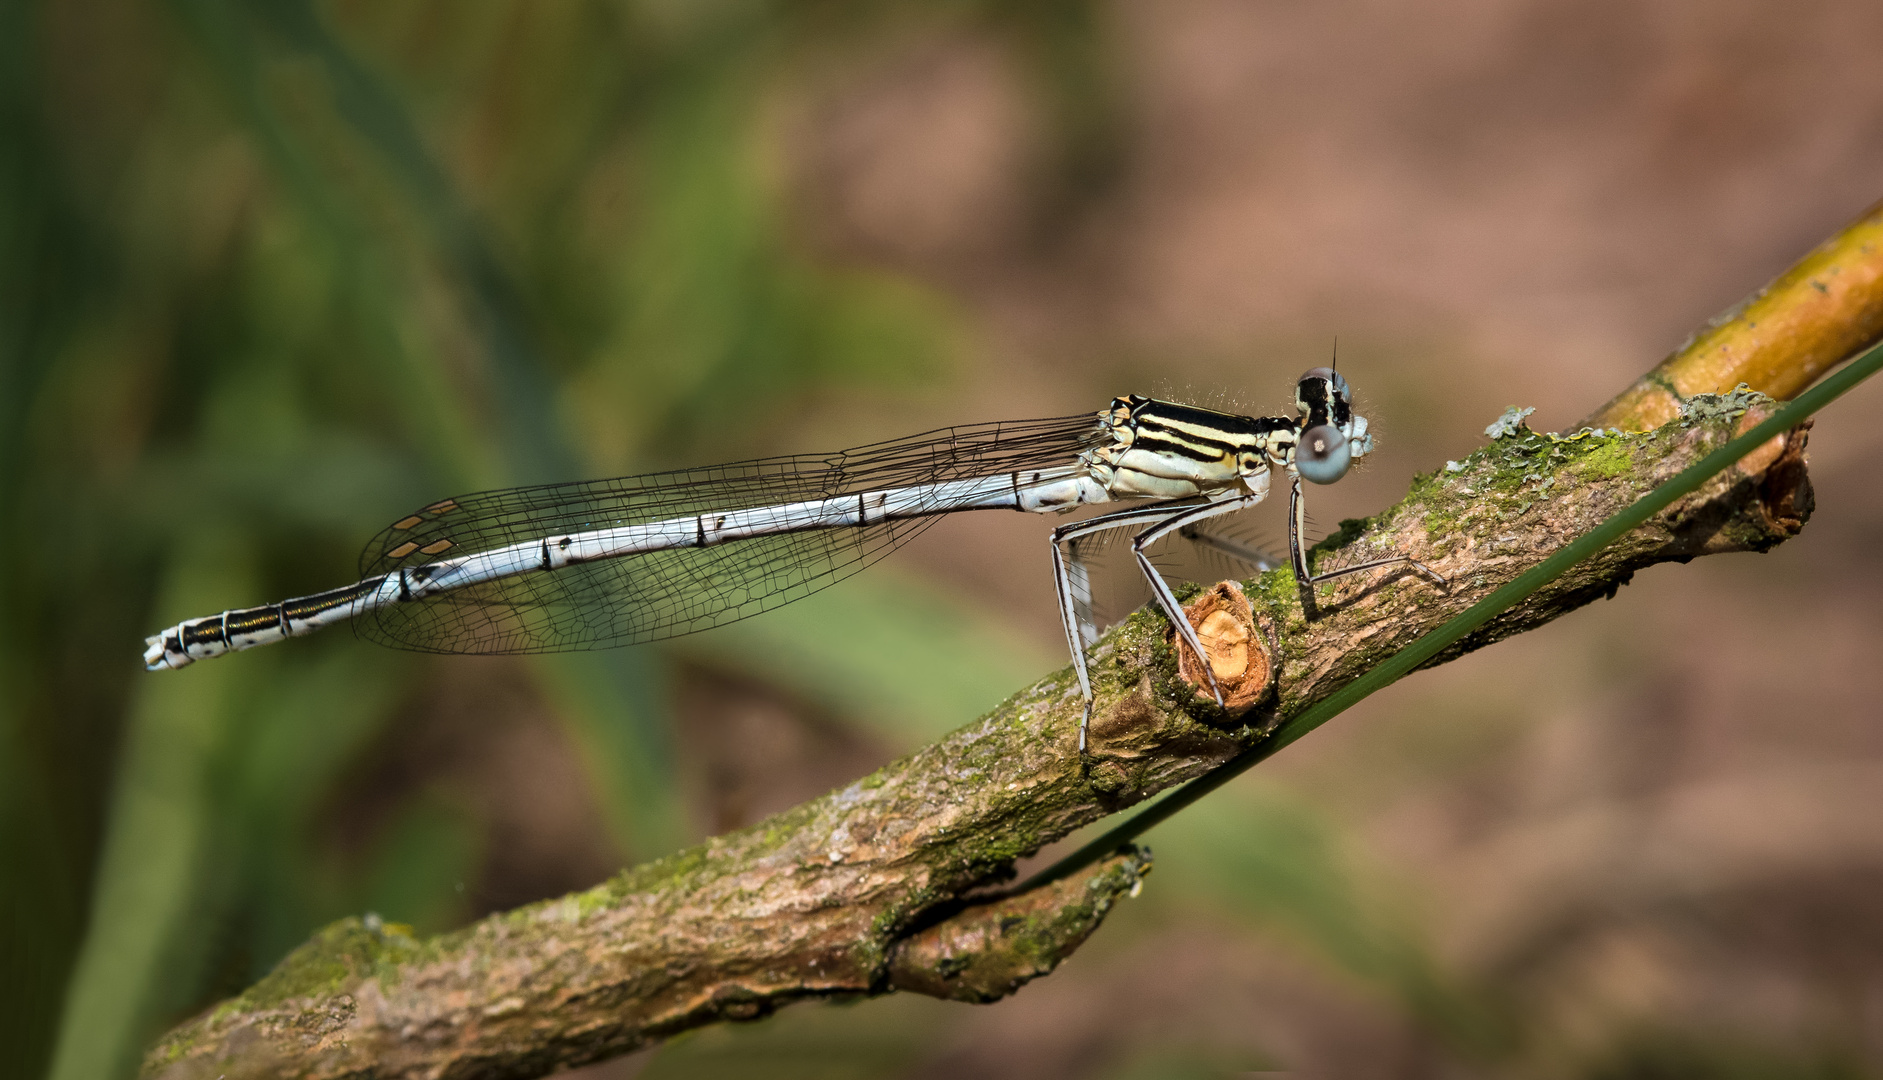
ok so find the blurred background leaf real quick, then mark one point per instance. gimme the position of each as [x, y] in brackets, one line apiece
[272, 273]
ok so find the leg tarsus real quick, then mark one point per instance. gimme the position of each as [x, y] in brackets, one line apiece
[1297, 513]
[1408, 560]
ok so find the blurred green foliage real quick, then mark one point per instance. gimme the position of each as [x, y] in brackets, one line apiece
[272, 275]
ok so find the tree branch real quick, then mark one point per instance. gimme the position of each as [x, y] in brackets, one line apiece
[1827, 307]
[869, 889]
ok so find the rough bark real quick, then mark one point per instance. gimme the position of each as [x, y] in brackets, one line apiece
[866, 890]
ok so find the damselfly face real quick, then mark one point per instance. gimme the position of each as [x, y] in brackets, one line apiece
[1332, 434]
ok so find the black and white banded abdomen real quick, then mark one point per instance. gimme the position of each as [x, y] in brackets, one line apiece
[1032, 491]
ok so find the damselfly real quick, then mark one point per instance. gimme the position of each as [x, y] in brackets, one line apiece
[615, 562]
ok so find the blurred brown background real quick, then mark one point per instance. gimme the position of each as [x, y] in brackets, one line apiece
[276, 273]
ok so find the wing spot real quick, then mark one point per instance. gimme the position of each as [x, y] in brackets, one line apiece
[435, 548]
[406, 523]
[440, 507]
[402, 550]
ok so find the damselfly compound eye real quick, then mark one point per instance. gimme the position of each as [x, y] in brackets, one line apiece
[1322, 455]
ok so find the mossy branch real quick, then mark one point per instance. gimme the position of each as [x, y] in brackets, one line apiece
[885, 885]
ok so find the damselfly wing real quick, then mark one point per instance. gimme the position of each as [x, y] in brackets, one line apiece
[801, 528]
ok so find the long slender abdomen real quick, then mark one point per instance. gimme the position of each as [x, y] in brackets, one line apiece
[231, 631]
[199, 639]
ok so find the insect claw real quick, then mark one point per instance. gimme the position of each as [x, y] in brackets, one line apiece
[1210, 674]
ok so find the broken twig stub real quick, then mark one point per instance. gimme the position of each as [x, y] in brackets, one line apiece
[1239, 651]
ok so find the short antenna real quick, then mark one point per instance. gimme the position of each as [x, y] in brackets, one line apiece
[1336, 354]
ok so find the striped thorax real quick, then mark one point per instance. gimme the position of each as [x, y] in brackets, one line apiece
[1163, 450]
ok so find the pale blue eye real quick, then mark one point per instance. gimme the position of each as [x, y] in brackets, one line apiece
[1322, 455]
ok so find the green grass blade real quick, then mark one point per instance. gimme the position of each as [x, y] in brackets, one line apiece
[159, 836]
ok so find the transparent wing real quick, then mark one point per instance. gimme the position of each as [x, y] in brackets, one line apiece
[1225, 547]
[665, 594]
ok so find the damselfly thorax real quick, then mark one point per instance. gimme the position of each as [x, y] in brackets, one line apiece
[616, 562]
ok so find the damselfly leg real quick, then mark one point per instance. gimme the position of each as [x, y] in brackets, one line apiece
[1164, 520]
[1297, 523]
[1161, 589]
[1074, 599]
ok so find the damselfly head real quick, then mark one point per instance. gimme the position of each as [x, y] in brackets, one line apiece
[1322, 396]
[1332, 435]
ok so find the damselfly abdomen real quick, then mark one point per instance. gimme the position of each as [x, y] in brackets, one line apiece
[590, 565]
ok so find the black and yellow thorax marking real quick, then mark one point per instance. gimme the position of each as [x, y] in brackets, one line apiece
[1202, 435]
[1161, 449]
